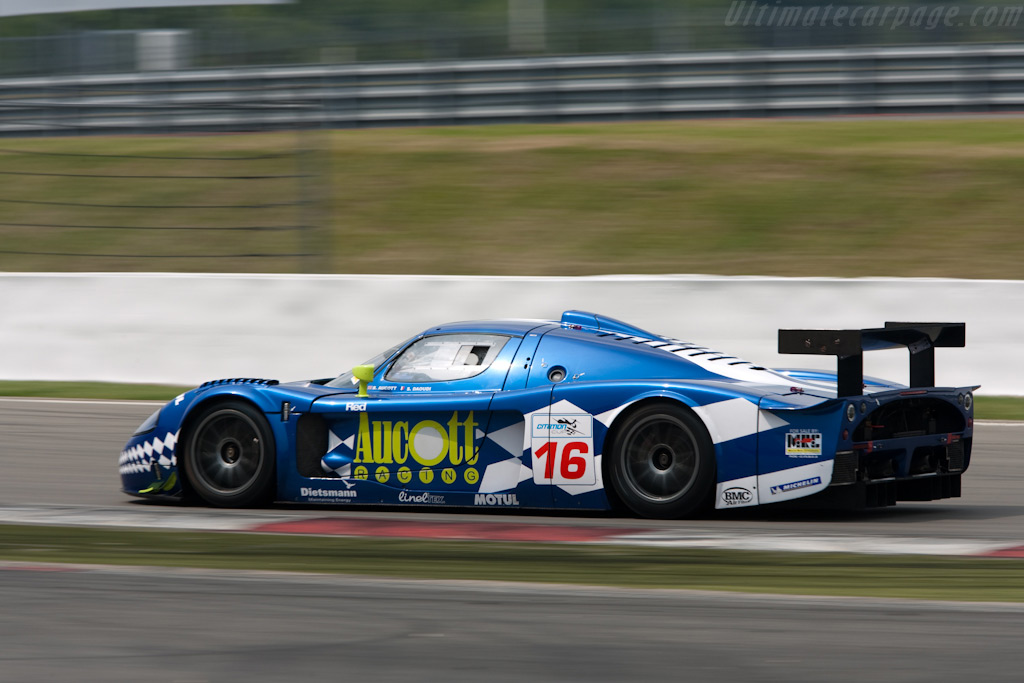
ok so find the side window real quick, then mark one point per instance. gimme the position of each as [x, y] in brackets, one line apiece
[446, 357]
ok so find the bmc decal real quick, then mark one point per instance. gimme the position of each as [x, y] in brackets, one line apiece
[737, 496]
[495, 499]
[803, 443]
[427, 442]
[563, 450]
[794, 485]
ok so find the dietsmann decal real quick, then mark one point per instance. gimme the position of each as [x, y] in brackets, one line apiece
[326, 493]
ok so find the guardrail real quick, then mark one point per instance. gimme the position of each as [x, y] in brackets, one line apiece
[751, 83]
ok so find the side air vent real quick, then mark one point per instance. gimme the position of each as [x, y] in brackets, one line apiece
[844, 469]
[310, 445]
[240, 380]
[955, 454]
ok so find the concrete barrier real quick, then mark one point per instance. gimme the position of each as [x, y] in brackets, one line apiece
[187, 328]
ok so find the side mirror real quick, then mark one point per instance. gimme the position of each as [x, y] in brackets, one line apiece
[363, 373]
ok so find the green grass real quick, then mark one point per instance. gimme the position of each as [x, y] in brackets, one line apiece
[106, 390]
[849, 197]
[986, 407]
[974, 579]
[999, 407]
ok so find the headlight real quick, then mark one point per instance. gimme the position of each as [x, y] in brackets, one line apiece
[968, 400]
[851, 412]
[149, 424]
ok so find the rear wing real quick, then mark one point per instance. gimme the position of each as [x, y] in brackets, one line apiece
[849, 347]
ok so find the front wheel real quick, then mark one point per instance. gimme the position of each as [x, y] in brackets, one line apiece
[229, 456]
[662, 462]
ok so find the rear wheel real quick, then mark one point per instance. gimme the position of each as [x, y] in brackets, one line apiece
[229, 456]
[662, 462]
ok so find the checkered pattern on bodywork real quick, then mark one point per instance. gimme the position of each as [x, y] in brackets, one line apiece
[140, 457]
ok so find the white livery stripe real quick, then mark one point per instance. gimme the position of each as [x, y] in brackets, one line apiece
[734, 419]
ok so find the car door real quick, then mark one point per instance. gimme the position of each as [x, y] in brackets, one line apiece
[543, 444]
[422, 425]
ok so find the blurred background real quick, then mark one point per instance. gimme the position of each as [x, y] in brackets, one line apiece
[359, 31]
[694, 136]
[174, 180]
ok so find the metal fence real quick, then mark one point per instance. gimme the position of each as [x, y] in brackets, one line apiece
[213, 208]
[752, 83]
[393, 30]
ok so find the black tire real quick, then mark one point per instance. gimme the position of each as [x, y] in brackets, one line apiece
[229, 456]
[662, 462]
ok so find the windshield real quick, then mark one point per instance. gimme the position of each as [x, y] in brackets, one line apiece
[446, 357]
[348, 380]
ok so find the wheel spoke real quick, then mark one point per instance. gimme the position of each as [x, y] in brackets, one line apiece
[227, 452]
[647, 478]
[233, 477]
[660, 459]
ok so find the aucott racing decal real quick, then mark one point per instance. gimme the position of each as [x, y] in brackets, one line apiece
[427, 442]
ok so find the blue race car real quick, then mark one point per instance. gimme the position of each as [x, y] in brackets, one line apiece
[586, 413]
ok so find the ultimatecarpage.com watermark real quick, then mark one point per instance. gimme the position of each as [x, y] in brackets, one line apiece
[753, 13]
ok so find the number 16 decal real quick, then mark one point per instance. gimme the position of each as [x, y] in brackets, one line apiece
[560, 457]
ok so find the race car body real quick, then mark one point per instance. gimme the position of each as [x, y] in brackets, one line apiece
[582, 413]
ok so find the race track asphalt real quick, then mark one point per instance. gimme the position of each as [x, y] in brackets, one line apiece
[65, 453]
[152, 624]
[158, 625]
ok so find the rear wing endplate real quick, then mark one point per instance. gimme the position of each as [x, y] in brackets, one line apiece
[849, 347]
